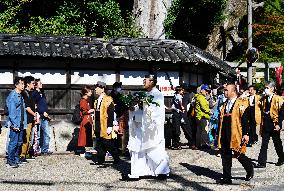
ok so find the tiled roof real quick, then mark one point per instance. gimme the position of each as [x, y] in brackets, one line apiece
[92, 48]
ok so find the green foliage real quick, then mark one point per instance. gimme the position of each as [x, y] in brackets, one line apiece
[139, 98]
[259, 86]
[100, 18]
[172, 14]
[110, 22]
[192, 21]
[268, 31]
[60, 24]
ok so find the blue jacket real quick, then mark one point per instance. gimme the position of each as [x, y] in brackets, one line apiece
[13, 103]
[41, 102]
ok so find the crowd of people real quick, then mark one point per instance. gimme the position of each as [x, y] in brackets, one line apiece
[224, 118]
[27, 118]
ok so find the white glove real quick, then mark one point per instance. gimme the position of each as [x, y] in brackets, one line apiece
[109, 130]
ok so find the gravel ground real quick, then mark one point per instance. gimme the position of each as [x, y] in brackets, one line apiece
[191, 170]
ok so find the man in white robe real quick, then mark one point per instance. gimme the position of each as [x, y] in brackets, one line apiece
[146, 136]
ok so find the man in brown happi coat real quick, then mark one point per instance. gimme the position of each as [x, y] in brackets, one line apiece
[233, 134]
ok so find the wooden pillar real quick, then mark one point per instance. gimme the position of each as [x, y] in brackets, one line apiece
[181, 80]
[15, 69]
[68, 87]
[266, 71]
[117, 72]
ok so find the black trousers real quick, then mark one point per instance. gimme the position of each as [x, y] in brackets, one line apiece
[262, 157]
[104, 145]
[187, 130]
[226, 155]
[267, 132]
[193, 128]
[202, 138]
[176, 128]
[252, 132]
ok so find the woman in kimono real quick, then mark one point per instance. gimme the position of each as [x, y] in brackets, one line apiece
[85, 133]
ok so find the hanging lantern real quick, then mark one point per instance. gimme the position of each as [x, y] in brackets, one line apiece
[252, 55]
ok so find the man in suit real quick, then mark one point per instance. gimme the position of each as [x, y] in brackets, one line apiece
[104, 125]
[233, 134]
[255, 115]
[271, 125]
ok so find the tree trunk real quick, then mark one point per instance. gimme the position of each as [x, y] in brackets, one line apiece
[150, 16]
[234, 12]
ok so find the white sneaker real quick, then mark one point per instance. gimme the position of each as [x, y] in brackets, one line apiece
[93, 151]
[12, 165]
[82, 155]
[108, 155]
[30, 158]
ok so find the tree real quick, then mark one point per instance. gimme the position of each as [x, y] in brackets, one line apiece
[268, 30]
[100, 18]
[193, 21]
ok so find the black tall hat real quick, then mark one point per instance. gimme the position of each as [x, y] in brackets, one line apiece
[117, 85]
[152, 76]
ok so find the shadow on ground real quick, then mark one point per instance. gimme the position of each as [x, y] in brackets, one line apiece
[201, 171]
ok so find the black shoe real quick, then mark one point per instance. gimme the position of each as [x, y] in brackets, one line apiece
[249, 145]
[125, 177]
[99, 163]
[47, 153]
[204, 147]
[259, 165]
[117, 161]
[279, 163]
[223, 181]
[193, 147]
[23, 160]
[250, 175]
[162, 177]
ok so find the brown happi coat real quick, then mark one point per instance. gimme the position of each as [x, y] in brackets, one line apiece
[106, 102]
[276, 104]
[236, 125]
[257, 104]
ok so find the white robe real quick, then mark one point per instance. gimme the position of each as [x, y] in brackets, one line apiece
[146, 139]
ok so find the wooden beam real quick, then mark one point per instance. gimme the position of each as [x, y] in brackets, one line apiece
[68, 85]
[257, 65]
[180, 74]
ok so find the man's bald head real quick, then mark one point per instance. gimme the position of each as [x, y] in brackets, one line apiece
[230, 91]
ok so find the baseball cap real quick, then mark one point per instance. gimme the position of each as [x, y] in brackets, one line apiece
[205, 87]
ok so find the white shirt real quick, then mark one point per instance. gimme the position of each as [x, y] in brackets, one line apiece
[99, 100]
[270, 97]
[251, 98]
[230, 104]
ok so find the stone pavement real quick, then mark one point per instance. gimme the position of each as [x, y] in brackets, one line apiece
[191, 170]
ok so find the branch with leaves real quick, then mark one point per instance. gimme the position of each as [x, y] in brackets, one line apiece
[139, 98]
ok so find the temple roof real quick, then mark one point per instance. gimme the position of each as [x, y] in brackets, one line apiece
[142, 49]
